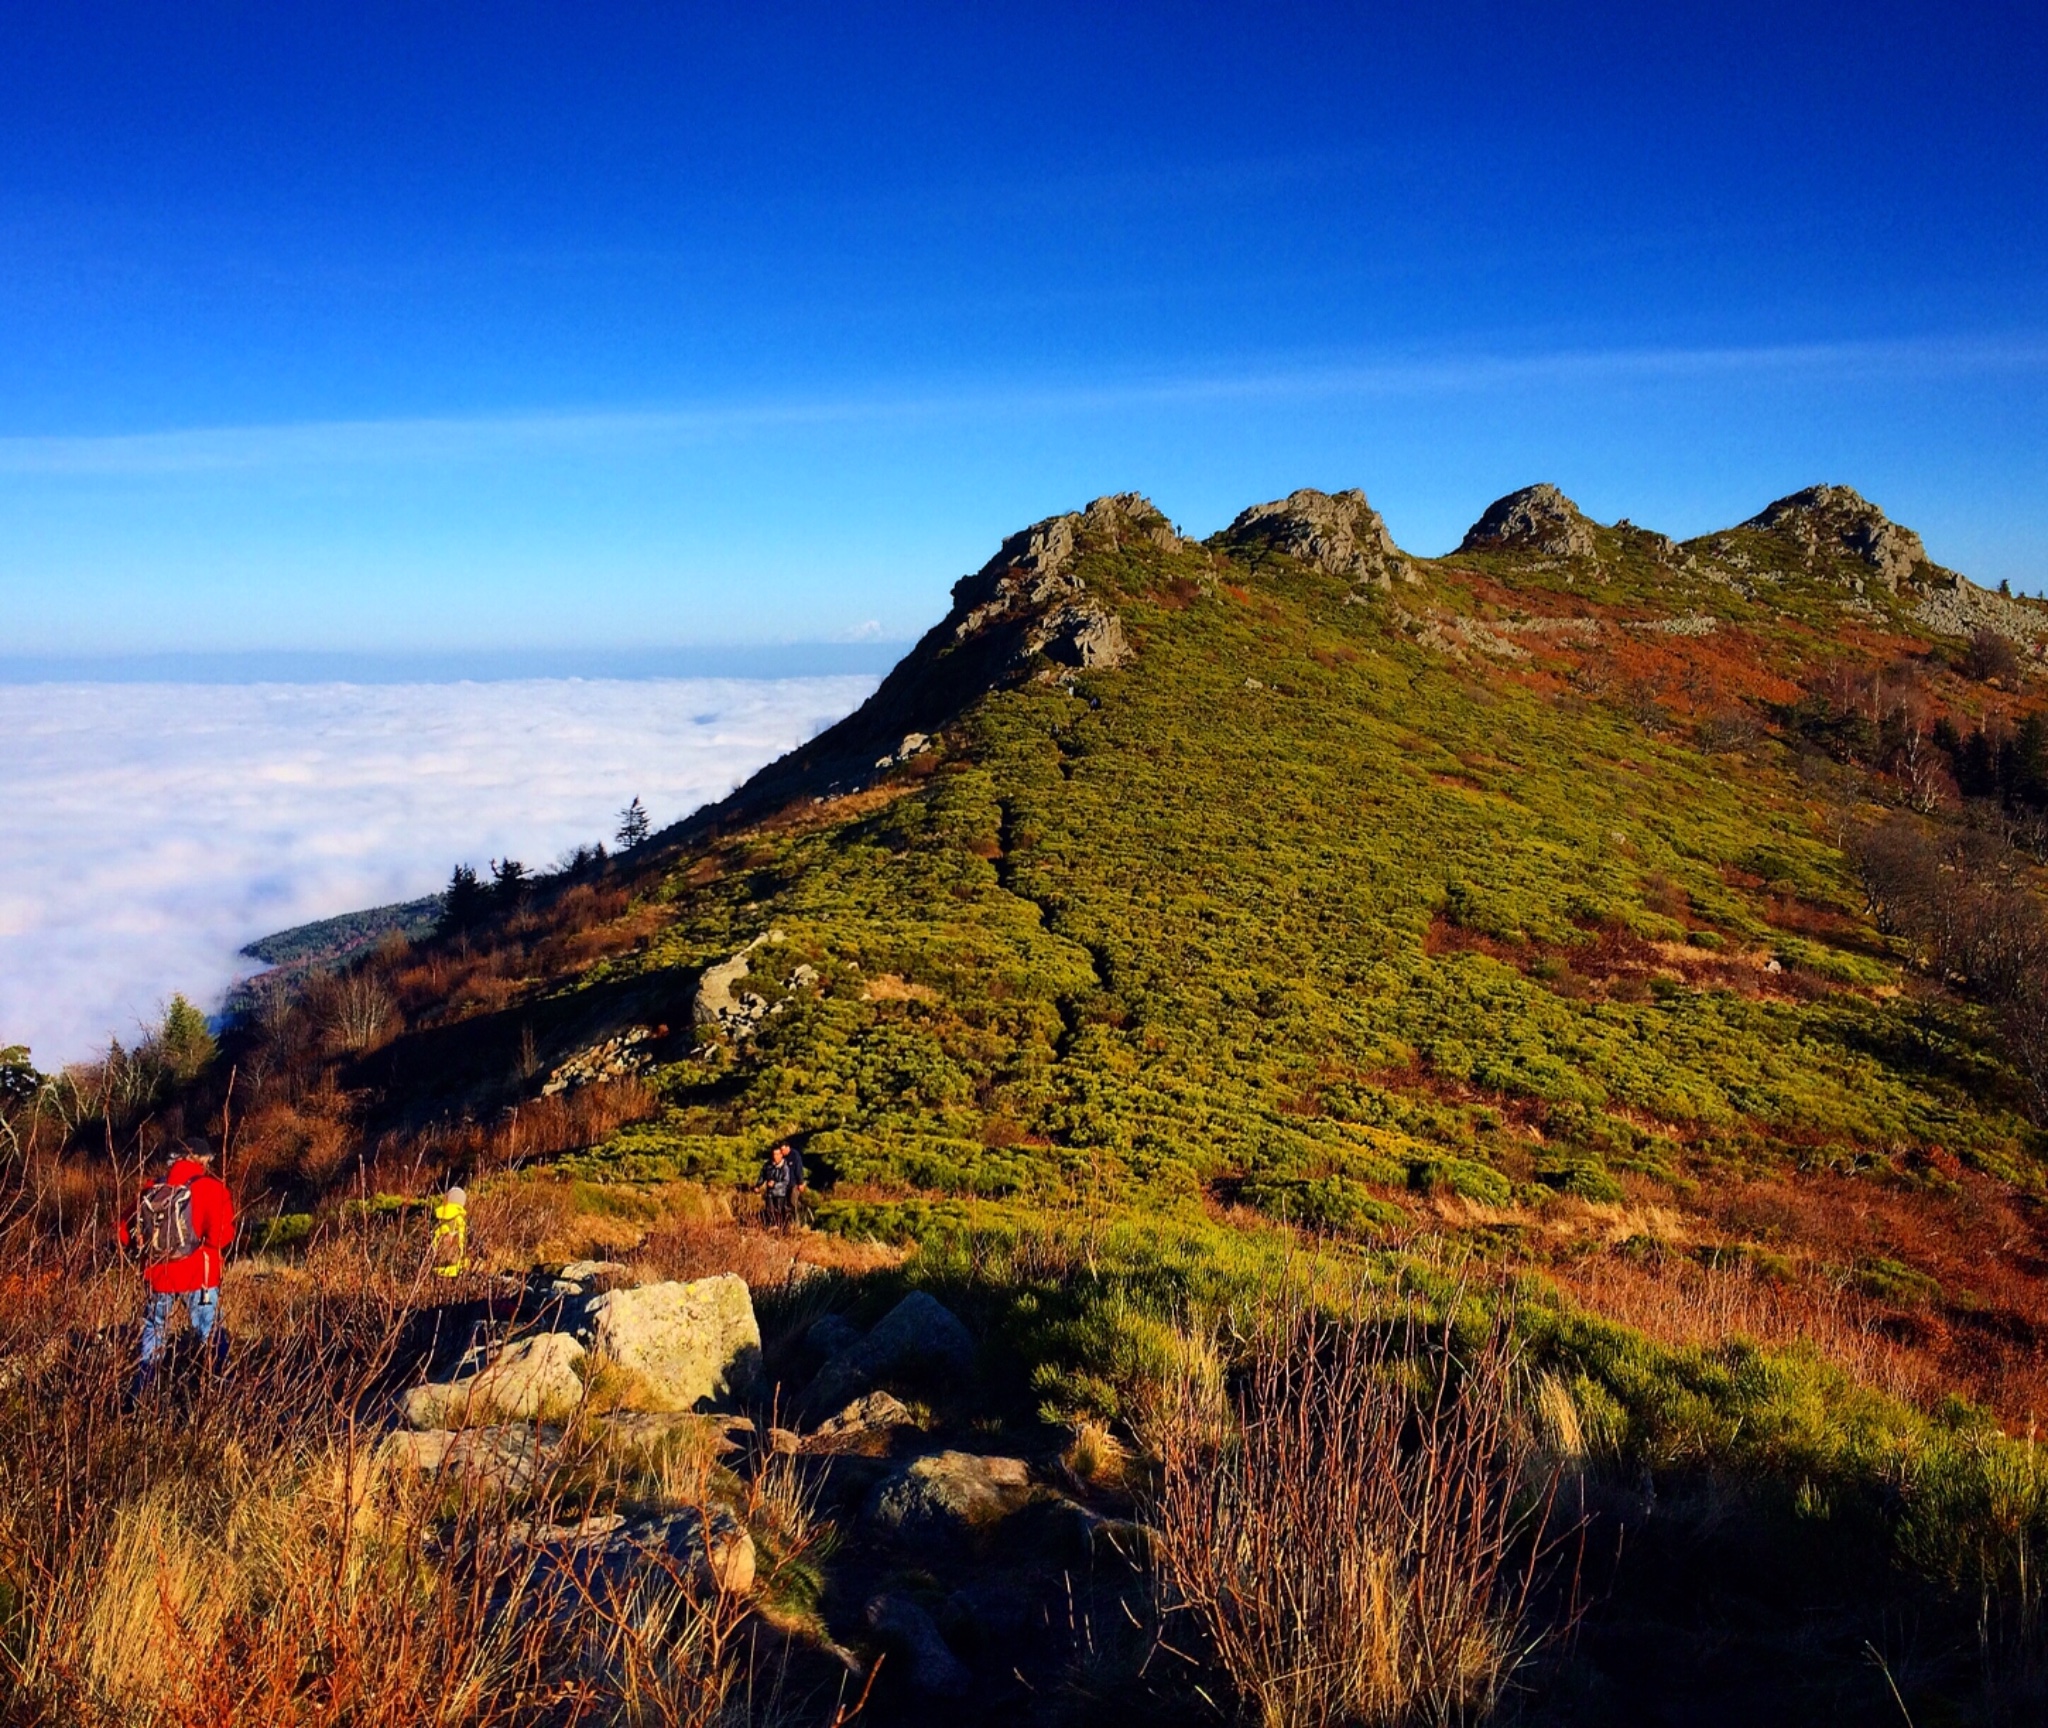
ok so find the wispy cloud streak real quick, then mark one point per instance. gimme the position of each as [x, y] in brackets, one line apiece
[470, 438]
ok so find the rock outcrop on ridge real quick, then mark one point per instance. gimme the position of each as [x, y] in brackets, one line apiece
[1338, 533]
[1027, 613]
[1839, 522]
[1536, 519]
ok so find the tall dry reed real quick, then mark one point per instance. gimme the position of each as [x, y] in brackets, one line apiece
[1350, 1525]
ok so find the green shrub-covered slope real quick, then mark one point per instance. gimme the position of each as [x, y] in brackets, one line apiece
[1502, 874]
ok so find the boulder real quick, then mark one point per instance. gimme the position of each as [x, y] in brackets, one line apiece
[532, 1377]
[948, 1494]
[692, 1344]
[645, 1429]
[505, 1459]
[928, 1663]
[1535, 519]
[920, 1334]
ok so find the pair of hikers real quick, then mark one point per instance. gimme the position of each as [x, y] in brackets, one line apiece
[781, 1185]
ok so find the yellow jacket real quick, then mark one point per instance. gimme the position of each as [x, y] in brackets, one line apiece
[451, 1239]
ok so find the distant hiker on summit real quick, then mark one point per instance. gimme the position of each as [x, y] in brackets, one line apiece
[782, 1180]
[181, 1226]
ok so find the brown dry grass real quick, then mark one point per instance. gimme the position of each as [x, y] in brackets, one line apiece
[1349, 1529]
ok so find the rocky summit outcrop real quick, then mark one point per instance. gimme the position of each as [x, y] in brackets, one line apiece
[1030, 595]
[1338, 533]
[689, 1344]
[1029, 613]
[1535, 519]
[1839, 522]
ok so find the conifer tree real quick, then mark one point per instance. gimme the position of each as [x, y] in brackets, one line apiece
[633, 825]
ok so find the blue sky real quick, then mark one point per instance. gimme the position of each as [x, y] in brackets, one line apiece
[555, 328]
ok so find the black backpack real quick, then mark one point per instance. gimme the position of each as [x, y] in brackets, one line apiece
[163, 1223]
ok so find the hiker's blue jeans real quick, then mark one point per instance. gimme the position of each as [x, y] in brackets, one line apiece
[203, 1307]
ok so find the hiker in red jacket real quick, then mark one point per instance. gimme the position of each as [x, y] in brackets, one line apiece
[182, 1226]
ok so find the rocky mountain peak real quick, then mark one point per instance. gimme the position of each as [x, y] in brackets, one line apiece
[1838, 521]
[1338, 533]
[1536, 519]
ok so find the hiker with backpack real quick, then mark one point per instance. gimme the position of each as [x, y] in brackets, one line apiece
[782, 1181]
[181, 1226]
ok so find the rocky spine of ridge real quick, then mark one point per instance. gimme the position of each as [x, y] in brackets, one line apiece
[1027, 613]
[1338, 533]
[1536, 519]
[1835, 522]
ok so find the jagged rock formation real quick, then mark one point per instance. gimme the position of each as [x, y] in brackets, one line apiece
[1535, 519]
[1337, 533]
[1027, 612]
[1835, 522]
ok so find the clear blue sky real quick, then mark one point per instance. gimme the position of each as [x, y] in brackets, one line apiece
[432, 326]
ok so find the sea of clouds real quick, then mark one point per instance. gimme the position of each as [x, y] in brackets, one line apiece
[148, 831]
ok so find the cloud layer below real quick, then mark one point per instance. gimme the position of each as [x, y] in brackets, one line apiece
[152, 829]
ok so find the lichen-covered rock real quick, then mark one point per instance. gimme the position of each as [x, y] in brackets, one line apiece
[919, 1335]
[1535, 519]
[949, 1493]
[533, 1377]
[1338, 533]
[1837, 521]
[690, 1344]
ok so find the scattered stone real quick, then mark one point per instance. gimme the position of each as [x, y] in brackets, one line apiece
[691, 1343]
[929, 1664]
[1535, 519]
[878, 1410]
[949, 1493]
[919, 1333]
[914, 744]
[1959, 607]
[532, 1377]
[617, 1057]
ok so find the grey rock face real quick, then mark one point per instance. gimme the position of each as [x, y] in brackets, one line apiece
[833, 1334]
[616, 1057]
[719, 1000]
[928, 1662]
[1337, 533]
[919, 1333]
[948, 1494]
[692, 1343]
[1535, 519]
[1835, 520]
[1031, 583]
[536, 1376]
